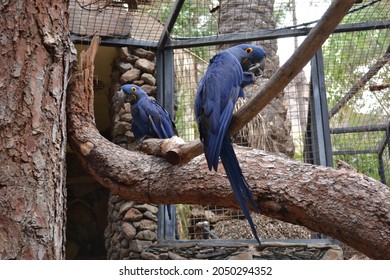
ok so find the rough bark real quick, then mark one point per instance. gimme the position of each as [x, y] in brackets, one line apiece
[343, 204]
[33, 79]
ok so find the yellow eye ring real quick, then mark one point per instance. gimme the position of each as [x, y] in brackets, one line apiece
[248, 50]
[134, 89]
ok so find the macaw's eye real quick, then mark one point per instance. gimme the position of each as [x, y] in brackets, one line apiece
[248, 50]
[134, 89]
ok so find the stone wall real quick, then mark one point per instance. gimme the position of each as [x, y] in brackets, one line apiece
[240, 251]
[131, 228]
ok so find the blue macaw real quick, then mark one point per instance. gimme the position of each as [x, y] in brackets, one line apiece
[149, 118]
[228, 73]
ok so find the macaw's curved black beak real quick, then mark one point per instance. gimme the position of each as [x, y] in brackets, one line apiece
[258, 68]
[128, 98]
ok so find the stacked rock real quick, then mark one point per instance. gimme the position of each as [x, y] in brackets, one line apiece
[241, 251]
[131, 228]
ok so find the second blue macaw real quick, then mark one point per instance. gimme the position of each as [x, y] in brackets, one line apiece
[228, 73]
[150, 119]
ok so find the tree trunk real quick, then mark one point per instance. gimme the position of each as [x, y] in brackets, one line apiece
[343, 204]
[35, 54]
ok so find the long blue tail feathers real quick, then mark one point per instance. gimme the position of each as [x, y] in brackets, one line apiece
[239, 185]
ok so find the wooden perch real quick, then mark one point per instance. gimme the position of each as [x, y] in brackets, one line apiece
[343, 204]
[361, 82]
[379, 87]
[175, 150]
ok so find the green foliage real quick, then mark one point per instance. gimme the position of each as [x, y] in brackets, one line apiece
[364, 163]
[282, 10]
[183, 215]
[347, 58]
[194, 20]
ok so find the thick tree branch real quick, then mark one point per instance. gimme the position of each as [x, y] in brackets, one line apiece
[343, 204]
[284, 75]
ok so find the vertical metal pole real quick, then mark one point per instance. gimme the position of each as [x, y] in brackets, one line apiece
[166, 86]
[381, 168]
[381, 151]
[388, 142]
[320, 118]
[160, 98]
[160, 76]
[165, 96]
[320, 108]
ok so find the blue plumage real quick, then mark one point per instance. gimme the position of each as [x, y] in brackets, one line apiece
[228, 72]
[149, 118]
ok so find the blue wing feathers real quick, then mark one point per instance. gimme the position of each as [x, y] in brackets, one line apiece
[217, 140]
[217, 92]
[152, 119]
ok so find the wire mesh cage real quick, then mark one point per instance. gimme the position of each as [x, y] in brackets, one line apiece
[139, 20]
[355, 74]
[358, 96]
